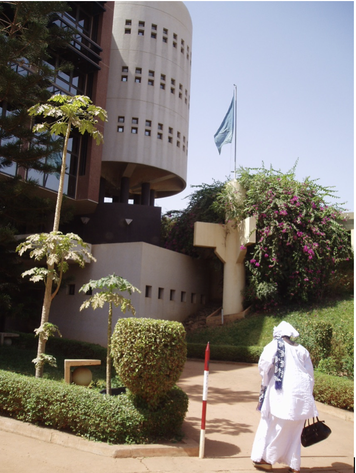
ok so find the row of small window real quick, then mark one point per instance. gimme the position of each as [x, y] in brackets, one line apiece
[151, 81]
[154, 29]
[148, 130]
[173, 295]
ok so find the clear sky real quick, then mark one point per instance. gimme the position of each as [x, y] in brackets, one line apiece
[293, 64]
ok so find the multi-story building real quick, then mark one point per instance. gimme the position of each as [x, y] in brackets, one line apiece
[133, 59]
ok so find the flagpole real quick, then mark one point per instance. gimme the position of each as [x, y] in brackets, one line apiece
[235, 131]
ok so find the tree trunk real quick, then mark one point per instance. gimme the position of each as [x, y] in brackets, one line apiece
[47, 300]
[57, 215]
[44, 318]
[108, 353]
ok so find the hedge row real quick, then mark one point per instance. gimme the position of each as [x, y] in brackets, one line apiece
[225, 352]
[334, 391]
[75, 409]
[331, 390]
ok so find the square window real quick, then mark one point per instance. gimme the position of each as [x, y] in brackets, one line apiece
[138, 70]
[180, 87]
[172, 295]
[160, 292]
[162, 86]
[160, 126]
[138, 80]
[71, 289]
[180, 95]
[135, 121]
[163, 77]
[164, 39]
[182, 42]
[141, 32]
[121, 119]
[120, 129]
[183, 139]
[128, 22]
[170, 139]
[183, 147]
[173, 82]
[182, 50]
[151, 73]
[183, 296]
[170, 130]
[154, 35]
[178, 144]
[148, 123]
[178, 134]
[173, 90]
[127, 30]
[175, 35]
[141, 24]
[148, 291]
[147, 132]
[123, 78]
[134, 130]
[174, 44]
[165, 31]
[150, 82]
[125, 69]
[159, 136]
[154, 27]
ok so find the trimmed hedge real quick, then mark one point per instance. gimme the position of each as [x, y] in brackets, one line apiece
[334, 391]
[226, 352]
[149, 356]
[118, 420]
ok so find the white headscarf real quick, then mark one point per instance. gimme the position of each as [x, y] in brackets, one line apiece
[285, 329]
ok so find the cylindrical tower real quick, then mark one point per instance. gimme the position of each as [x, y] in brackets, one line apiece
[146, 137]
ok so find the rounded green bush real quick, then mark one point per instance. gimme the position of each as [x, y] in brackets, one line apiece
[149, 356]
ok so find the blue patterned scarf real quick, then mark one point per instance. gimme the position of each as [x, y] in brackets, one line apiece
[279, 363]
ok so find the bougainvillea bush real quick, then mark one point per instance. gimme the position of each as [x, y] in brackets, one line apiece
[300, 239]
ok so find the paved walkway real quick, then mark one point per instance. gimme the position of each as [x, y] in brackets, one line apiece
[230, 426]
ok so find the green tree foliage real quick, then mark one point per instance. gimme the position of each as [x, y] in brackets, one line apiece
[28, 34]
[18, 204]
[300, 239]
[109, 288]
[178, 226]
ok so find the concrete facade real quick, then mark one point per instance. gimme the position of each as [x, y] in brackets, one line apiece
[146, 137]
[172, 286]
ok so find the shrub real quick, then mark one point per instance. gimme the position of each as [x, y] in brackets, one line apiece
[226, 352]
[334, 391]
[118, 420]
[316, 337]
[149, 356]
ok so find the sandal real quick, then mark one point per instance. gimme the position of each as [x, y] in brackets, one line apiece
[293, 471]
[262, 465]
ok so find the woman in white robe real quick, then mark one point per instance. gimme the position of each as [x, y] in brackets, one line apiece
[287, 400]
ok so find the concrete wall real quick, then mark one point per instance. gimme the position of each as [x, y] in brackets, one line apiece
[172, 286]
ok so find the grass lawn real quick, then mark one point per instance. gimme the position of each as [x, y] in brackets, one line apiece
[257, 328]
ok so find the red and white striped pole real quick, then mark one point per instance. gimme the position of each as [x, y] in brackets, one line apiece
[205, 398]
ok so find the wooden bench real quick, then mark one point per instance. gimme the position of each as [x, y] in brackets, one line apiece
[69, 363]
[4, 335]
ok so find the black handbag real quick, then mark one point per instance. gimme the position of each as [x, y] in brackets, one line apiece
[315, 432]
